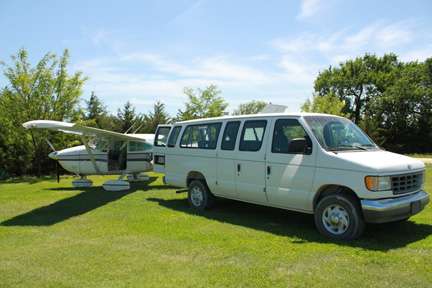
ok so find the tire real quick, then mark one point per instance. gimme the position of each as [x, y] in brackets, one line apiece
[339, 217]
[199, 196]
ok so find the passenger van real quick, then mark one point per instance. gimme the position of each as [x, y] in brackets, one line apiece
[313, 163]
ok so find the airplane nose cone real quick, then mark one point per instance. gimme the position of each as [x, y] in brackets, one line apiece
[53, 155]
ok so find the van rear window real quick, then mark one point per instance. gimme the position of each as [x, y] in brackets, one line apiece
[201, 136]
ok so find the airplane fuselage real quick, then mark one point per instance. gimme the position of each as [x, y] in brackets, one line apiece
[77, 160]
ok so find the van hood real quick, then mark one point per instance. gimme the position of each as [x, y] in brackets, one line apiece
[380, 161]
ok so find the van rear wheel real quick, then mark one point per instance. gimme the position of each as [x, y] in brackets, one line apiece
[339, 217]
[199, 196]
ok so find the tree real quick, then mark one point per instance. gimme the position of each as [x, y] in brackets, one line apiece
[391, 100]
[251, 107]
[45, 91]
[357, 81]
[126, 118]
[202, 104]
[329, 104]
[95, 114]
[153, 119]
[401, 118]
[95, 110]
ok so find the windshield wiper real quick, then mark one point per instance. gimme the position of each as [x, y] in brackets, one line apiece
[359, 147]
[348, 147]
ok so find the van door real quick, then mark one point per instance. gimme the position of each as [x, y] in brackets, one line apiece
[226, 160]
[290, 168]
[159, 147]
[250, 163]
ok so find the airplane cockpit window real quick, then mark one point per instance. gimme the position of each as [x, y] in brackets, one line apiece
[136, 146]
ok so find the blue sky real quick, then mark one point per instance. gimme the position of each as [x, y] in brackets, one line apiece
[145, 51]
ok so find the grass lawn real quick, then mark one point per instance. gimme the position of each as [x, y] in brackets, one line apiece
[52, 235]
[420, 155]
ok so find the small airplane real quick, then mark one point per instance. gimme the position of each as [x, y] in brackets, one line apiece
[103, 153]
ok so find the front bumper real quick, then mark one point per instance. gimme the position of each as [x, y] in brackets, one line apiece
[394, 209]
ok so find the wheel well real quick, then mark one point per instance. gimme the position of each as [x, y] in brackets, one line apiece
[332, 189]
[195, 175]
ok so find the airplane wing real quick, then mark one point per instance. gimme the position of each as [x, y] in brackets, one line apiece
[75, 128]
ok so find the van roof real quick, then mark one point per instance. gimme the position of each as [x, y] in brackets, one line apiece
[299, 114]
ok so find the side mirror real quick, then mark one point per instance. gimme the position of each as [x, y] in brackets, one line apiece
[299, 146]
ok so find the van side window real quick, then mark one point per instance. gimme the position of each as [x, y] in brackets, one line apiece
[290, 137]
[230, 135]
[161, 136]
[252, 135]
[202, 136]
[172, 140]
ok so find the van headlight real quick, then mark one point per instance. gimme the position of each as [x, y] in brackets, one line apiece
[378, 183]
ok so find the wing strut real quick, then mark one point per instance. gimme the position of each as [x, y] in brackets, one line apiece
[89, 151]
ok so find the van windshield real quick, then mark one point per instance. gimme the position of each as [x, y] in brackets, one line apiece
[337, 134]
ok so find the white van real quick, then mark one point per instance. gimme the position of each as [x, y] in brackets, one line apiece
[313, 163]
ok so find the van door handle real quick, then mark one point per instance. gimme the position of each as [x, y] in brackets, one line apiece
[268, 170]
[238, 168]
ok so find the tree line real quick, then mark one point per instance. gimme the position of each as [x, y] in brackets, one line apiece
[390, 99]
[48, 91]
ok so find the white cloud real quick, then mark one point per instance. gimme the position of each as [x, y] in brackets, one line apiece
[378, 37]
[308, 8]
[302, 57]
[381, 35]
[164, 79]
[417, 54]
[212, 67]
[100, 36]
[283, 76]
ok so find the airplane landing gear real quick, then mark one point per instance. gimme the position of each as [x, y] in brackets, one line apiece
[83, 182]
[137, 177]
[116, 185]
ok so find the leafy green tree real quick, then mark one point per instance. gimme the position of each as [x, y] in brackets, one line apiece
[401, 118]
[391, 100]
[251, 107]
[357, 81]
[202, 104]
[153, 119]
[44, 91]
[329, 104]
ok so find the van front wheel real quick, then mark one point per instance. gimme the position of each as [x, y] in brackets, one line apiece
[339, 217]
[199, 196]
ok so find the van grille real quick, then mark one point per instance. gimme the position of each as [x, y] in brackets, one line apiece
[406, 183]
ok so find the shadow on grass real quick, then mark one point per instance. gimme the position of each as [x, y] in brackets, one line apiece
[301, 226]
[29, 179]
[89, 199]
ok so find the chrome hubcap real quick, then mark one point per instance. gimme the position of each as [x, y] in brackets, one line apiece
[335, 219]
[197, 196]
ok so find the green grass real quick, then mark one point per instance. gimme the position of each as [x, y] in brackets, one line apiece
[52, 235]
[420, 155]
